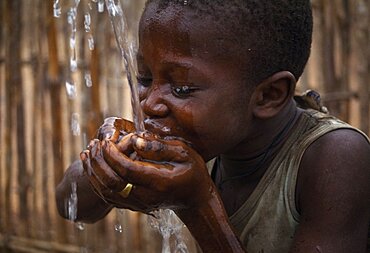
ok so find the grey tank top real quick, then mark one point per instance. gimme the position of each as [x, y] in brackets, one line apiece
[267, 221]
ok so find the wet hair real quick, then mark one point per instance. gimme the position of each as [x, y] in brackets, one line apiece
[269, 35]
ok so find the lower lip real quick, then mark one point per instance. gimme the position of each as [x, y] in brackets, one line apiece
[157, 128]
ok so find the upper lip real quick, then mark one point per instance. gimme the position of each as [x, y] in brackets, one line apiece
[157, 127]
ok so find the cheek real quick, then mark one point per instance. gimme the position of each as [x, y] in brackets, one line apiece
[214, 131]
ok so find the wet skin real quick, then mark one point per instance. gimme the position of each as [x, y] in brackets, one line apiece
[187, 90]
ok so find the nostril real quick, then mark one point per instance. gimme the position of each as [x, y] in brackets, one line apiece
[154, 108]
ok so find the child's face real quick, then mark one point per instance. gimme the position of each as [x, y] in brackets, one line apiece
[185, 89]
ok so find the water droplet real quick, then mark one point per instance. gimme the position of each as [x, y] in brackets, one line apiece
[166, 129]
[73, 63]
[75, 124]
[100, 5]
[118, 228]
[87, 22]
[71, 89]
[88, 80]
[72, 42]
[80, 226]
[57, 9]
[91, 42]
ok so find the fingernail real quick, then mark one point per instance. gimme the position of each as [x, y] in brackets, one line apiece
[140, 143]
[83, 155]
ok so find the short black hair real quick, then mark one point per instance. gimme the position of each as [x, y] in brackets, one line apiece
[272, 35]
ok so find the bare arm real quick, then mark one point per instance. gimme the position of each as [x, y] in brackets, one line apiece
[210, 226]
[333, 193]
[90, 207]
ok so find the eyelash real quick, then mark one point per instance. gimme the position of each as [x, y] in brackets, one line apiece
[180, 91]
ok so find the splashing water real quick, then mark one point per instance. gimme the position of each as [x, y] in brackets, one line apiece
[168, 224]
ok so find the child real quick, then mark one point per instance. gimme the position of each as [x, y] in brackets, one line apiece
[217, 80]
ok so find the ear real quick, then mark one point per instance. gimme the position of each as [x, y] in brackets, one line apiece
[272, 94]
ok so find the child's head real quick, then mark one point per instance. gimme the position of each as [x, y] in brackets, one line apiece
[199, 64]
[266, 36]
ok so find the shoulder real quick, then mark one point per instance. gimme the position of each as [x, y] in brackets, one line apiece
[333, 187]
[338, 159]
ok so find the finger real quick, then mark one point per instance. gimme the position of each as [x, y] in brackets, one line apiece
[156, 149]
[96, 184]
[131, 202]
[136, 172]
[125, 144]
[101, 169]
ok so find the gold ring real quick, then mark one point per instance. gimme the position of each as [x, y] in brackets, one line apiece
[126, 191]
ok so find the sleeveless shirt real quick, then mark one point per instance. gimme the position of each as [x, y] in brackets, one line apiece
[267, 221]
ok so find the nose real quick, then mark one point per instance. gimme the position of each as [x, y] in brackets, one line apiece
[152, 102]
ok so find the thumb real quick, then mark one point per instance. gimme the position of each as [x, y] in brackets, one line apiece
[155, 149]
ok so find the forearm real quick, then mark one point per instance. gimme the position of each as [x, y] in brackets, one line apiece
[211, 228]
[90, 207]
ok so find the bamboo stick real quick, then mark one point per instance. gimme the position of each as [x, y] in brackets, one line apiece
[343, 28]
[361, 58]
[2, 123]
[328, 45]
[55, 89]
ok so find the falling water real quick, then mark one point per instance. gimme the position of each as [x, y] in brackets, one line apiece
[127, 53]
[72, 203]
[71, 18]
[165, 221]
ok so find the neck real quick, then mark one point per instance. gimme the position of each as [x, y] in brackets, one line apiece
[255, 154]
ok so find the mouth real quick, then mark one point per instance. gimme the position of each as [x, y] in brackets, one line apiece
[164, 131]
[157, 128]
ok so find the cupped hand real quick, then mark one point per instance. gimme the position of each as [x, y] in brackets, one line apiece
[165, 173]
[114, 128]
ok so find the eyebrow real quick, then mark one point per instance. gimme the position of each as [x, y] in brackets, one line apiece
[184, 61]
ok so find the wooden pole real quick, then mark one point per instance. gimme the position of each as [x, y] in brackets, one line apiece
[14, 95]
[343, 16]
[361, 56]
[2, 120]
[55, 89]
[328, 66]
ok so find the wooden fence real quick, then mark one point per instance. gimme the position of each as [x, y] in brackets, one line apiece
[43, 128]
